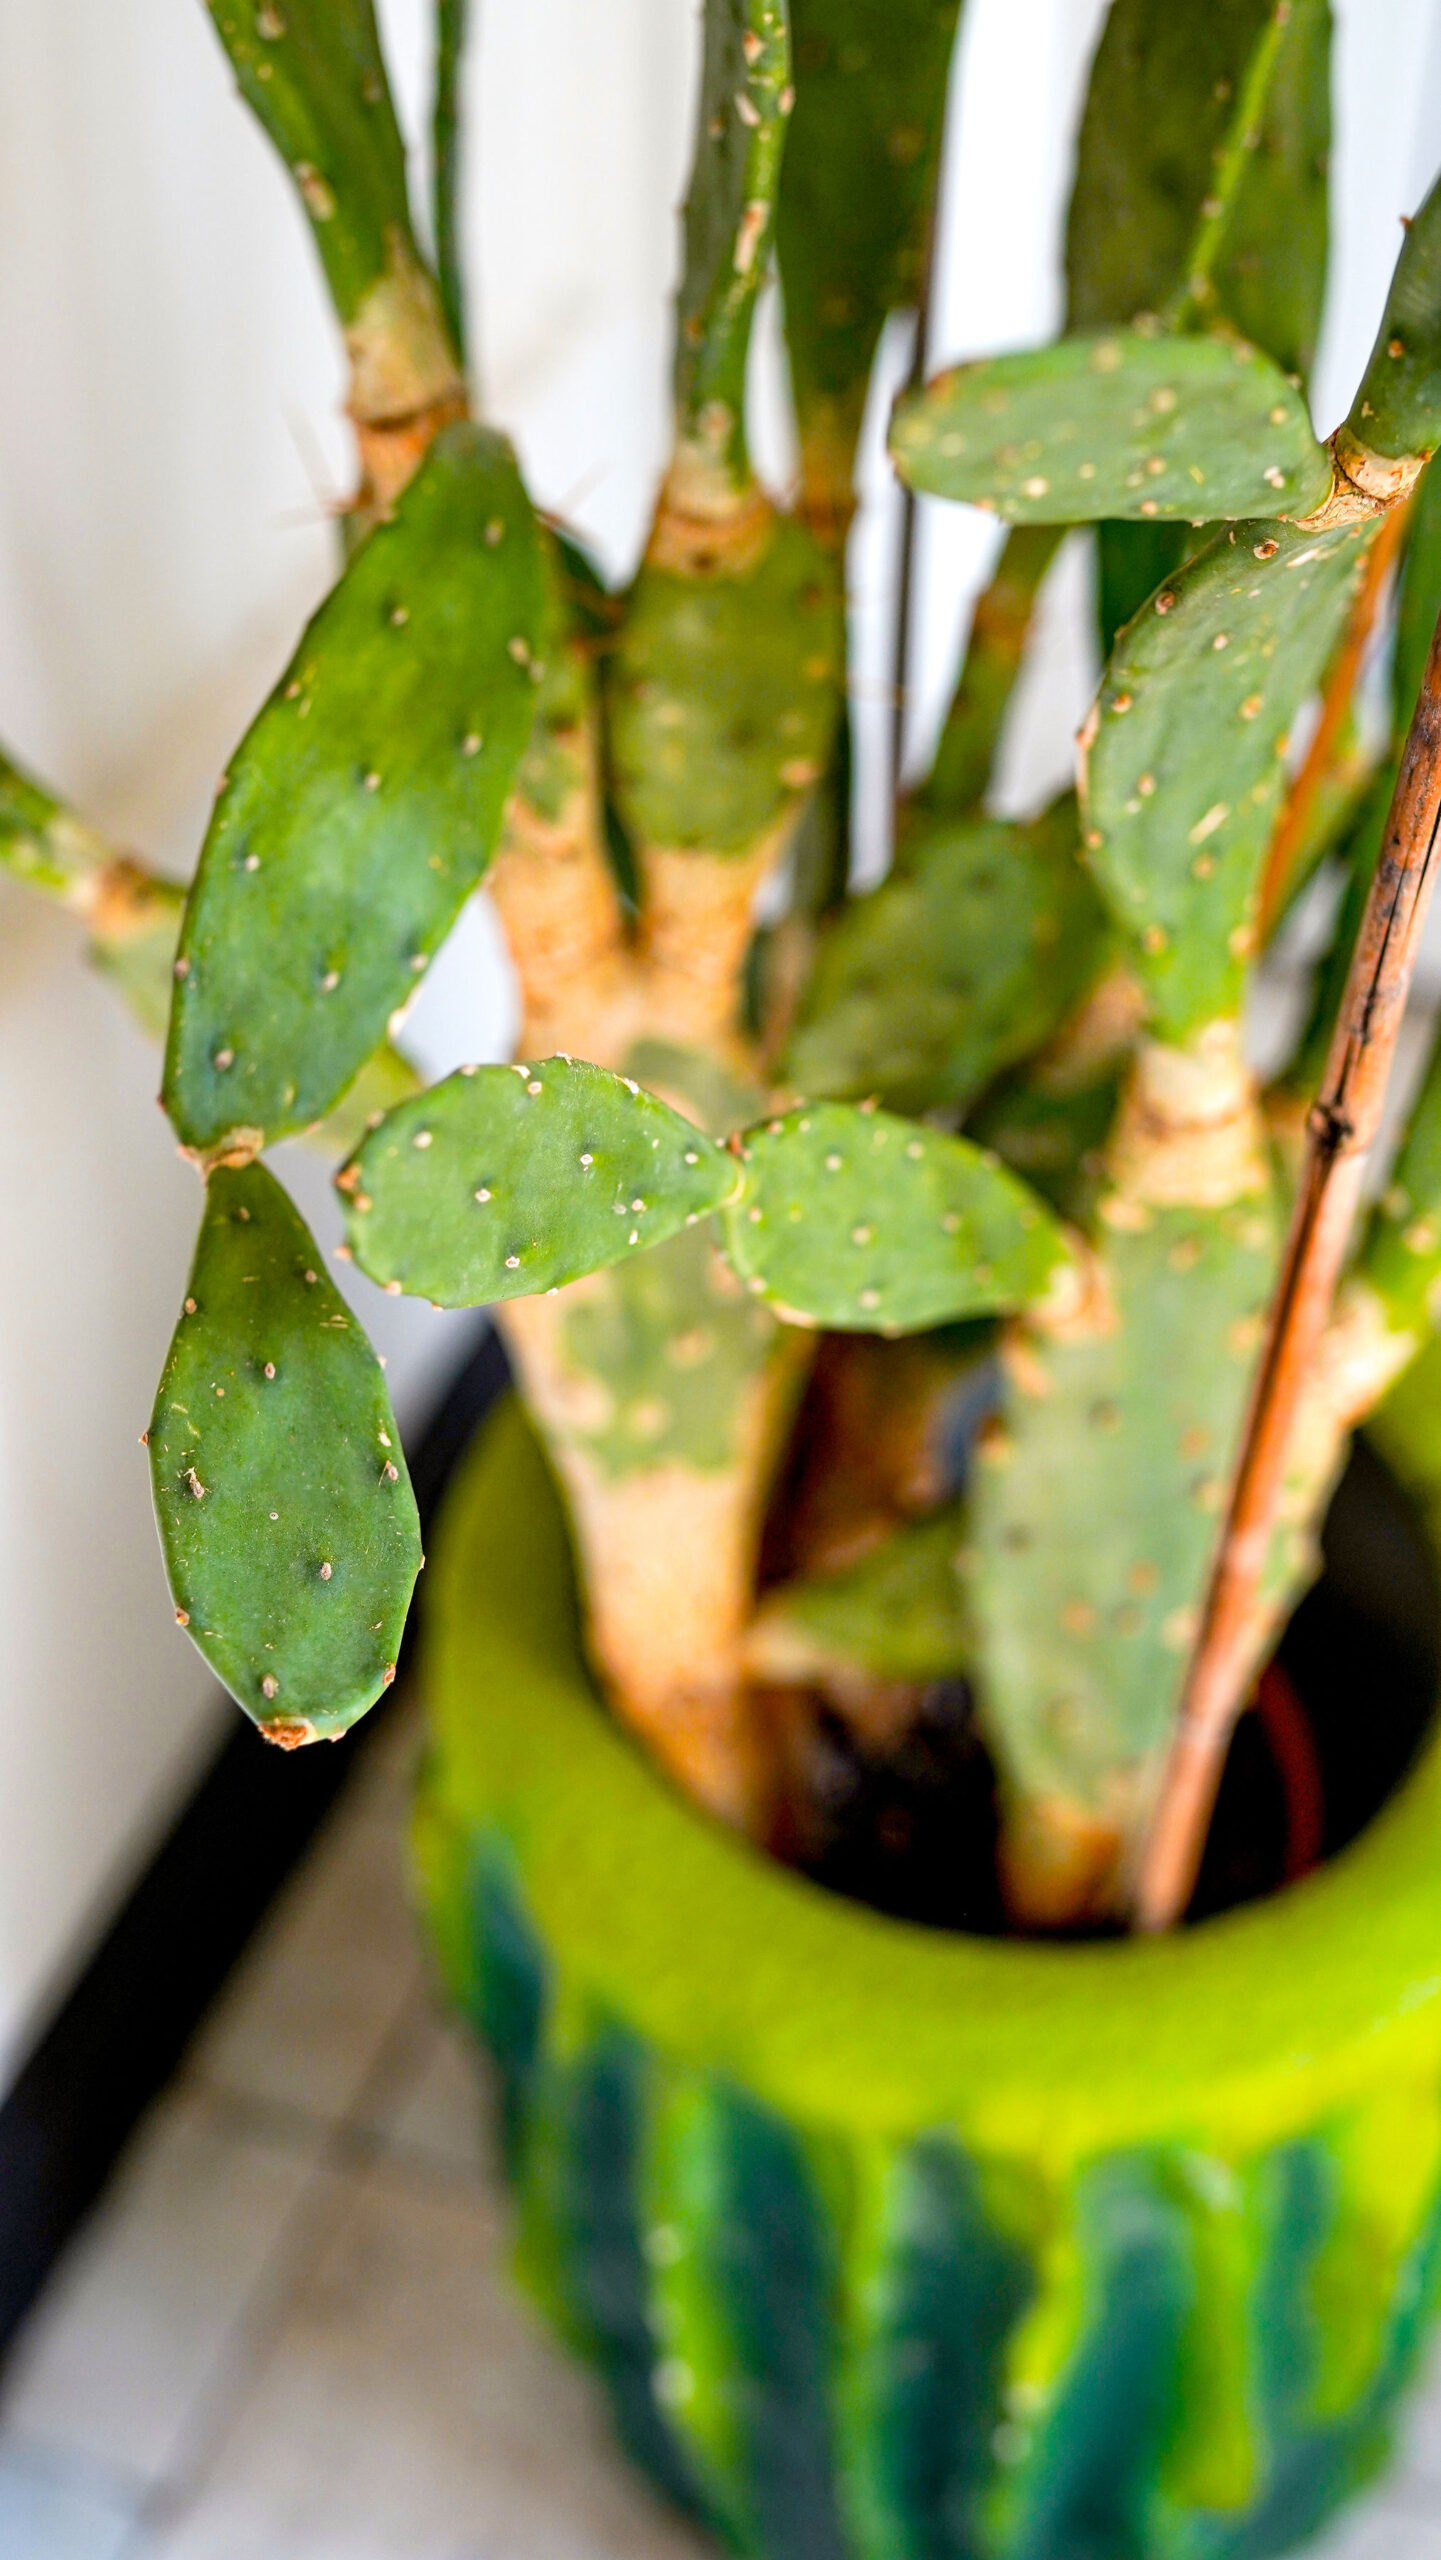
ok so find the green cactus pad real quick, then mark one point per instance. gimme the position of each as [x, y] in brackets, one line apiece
[286, 1516]
[1401, 1255]
[745, 101]
[963, 962]
[1095, 1507]
[1183, 776]
[870, 1224]
[897, 1613]
[1398, 407]
[1166, 87]
[504, 1181]
[724, 692]
[313, 74]
[1127, 423]
[856, 188]
[363, 805]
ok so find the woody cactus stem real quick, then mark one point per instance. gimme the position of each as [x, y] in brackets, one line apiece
[1343, 1127]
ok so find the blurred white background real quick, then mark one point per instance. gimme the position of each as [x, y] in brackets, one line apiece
[170, 451]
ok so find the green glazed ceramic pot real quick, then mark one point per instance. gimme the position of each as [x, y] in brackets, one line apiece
[896, 2245]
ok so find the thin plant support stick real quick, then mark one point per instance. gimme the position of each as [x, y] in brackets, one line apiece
[1320, 756]
[1342, 1128]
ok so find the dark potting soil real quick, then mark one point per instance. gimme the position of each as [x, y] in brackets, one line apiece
[1338, 1717]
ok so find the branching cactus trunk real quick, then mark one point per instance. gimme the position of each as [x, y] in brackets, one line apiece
[915, 1257]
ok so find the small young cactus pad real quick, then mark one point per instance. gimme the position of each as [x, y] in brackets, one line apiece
[898, 1612]
[1183, 773]
[961, 963]
[871, 1224]
[504, 1181]
[724, 694]
[1128, 423]
[286, 1516]
[363, 805]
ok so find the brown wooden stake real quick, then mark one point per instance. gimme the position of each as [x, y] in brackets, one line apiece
[1342, 1128]
[1320, 756]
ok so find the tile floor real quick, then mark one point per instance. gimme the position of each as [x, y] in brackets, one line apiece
[288, 2333]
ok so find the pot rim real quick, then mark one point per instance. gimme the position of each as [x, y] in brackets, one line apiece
[1221, 2036]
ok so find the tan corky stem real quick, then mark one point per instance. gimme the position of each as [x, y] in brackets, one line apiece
[1343, 1126]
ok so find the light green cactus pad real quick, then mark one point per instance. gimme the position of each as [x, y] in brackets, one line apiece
[1401, 1254]
[504, 1181]
[1126, 423]
[363, 805]
[892, 2244]
[723, 696]
[286, 1517]
[1096, 1506]
[965, 960]
[871, 1224]
[1183, 776]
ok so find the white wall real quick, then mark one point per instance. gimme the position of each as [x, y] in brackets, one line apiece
[169, 447]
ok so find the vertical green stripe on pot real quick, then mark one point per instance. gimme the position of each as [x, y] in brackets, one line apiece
[957, 2286]
[606, 2098]
[773, 2264]
[684, 2196]
[1086, 2491]
[509, 1994]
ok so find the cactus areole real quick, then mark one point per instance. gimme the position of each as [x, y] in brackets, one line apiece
[935, 1340]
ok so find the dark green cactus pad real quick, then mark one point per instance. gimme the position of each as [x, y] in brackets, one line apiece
[504, 1181]
[962, 962]
[1183, 775]
[1126, 423]
[898, 1612]
[1164, 93]
[870, 1224]
[286, 1516]
[856, 188]
[745, 101]
[1096, 1506]
[313, 74]
[1398, 407]
[723, 696]
[1053, 1139]
[363, 805]
[970, 733]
